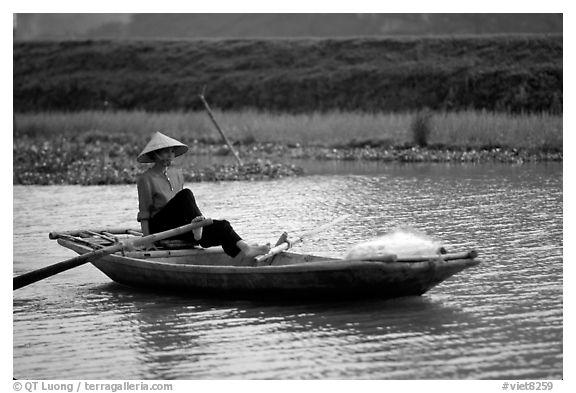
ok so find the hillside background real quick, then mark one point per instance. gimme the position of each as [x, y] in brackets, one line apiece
[94, 26]
[289, 62]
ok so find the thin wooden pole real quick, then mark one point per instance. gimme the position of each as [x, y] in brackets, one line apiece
[218, 127]
[446, 257]
[288, 244]
[113, 231]
[473, 254]
[48, 271]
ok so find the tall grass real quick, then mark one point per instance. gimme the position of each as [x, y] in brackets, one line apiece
[478, 128]
[451, 129]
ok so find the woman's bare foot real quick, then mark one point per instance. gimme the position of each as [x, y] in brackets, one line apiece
[197, 231]
[249, 251]
[254, 250]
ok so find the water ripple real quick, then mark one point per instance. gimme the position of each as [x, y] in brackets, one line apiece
[500, 320]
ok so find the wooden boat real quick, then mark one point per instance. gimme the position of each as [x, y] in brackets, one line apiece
[176, 266]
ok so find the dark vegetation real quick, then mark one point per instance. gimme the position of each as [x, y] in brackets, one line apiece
[497, 73]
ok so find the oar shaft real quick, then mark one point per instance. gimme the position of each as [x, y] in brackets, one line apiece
[48, 271]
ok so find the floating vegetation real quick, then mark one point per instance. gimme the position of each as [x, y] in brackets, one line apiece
[66, 160]
[253, 170]
[71, 161]
[405, 153]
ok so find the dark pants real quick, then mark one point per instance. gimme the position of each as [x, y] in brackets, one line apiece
[180, 210]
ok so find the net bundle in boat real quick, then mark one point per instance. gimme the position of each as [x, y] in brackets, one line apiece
[403, 243]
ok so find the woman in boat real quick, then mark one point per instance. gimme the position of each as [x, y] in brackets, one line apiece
[165, 204]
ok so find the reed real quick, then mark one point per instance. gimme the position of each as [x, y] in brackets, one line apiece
[540, 131]
[451, 129]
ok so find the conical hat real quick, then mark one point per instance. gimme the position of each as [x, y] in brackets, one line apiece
[161, 141]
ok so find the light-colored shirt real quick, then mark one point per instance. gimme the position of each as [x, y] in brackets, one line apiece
[154, 190]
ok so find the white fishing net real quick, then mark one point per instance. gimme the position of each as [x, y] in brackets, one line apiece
[402, 242]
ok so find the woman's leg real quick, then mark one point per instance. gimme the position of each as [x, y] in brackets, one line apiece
[179, 211]
[221, 233]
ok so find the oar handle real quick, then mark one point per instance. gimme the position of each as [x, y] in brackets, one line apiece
[48, 271]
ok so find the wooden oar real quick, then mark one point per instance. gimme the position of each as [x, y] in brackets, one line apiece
[48, 271]
[288, 244]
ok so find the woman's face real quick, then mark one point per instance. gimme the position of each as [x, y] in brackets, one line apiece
[164, 156]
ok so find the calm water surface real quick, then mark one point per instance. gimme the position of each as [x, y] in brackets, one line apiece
[501, 319]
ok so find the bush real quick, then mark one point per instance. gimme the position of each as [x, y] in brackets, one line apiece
[421, 127]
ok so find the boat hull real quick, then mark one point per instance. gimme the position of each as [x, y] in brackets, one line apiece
[210, 271]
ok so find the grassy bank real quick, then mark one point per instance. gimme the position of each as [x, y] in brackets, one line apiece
[466, 129]
[93, 147]
[498, 73]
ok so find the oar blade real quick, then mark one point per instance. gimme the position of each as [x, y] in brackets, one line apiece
[48, 271]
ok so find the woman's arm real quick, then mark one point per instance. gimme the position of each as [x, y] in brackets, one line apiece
[145, 227]
[144, 200]
[180, 178]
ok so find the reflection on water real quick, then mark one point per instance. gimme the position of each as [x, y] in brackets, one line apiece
[502, 319]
